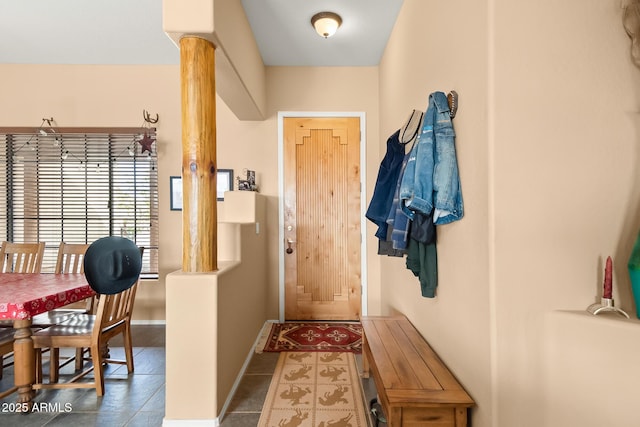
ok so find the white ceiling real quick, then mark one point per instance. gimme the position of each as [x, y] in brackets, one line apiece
[84, 32]
[285, 36]
[130, 32]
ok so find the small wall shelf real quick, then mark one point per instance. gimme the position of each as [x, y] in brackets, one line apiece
[240, 207]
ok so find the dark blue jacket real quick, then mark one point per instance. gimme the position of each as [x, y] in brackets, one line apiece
[388, 174]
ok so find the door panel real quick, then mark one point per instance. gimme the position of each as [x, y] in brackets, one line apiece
[322, 218]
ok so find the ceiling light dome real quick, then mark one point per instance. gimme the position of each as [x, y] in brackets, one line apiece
[326, 23]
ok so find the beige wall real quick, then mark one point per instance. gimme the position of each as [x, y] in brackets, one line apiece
[240, 73]
[566, 174]
[108, 95]
[450, 52]
[254, 145]
[229, 310]
[88, 95]
[547, 141]
[548, 153]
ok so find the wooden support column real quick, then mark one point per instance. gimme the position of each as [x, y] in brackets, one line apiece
[199, 169]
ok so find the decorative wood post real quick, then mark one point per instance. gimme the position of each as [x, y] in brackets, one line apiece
[199, 170]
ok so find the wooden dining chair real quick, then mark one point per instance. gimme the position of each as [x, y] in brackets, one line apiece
[21, 257]
[16, 258]
[70, 260]
[93, 331]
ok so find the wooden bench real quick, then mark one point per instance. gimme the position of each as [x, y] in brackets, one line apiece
[414, 387]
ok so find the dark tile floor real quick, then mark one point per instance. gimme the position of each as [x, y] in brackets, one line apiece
[244, 409]
[129, 400]
[138, 399]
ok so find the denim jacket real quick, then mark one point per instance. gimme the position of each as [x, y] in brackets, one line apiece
[398, 220]
[431, 179]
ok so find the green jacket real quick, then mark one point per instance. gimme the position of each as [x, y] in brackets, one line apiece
[422, 260]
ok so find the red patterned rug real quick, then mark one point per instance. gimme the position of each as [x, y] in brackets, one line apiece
[315, 336]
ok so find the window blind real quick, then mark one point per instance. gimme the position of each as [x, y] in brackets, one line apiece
[77, 185]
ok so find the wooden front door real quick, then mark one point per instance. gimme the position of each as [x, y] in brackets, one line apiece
[322, 218]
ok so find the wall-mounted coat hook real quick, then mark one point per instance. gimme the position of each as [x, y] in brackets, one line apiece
[147, 117]
[452, 98]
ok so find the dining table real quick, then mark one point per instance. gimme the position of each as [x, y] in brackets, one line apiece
[24, 295]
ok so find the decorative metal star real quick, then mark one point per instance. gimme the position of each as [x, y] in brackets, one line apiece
[145, 143]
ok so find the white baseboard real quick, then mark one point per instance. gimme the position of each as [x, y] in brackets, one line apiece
[148, 322]
[234, 388]
[190, 423]
[216, 422]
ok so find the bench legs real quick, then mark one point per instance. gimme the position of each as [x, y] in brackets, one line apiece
[461, 417]
[365, 359]
[365, 365]
[394, 418]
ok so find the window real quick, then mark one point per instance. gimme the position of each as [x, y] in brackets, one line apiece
[77, 185]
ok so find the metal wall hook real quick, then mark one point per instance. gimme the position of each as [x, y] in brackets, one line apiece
[452, 98]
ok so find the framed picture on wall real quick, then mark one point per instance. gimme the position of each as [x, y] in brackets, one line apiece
[176, 192]
[225, 182]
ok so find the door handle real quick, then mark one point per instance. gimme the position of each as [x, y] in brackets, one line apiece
[289, 249]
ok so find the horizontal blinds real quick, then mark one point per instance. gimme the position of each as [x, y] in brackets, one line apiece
[77, 187]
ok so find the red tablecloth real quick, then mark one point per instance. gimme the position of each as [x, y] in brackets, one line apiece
[22, 296]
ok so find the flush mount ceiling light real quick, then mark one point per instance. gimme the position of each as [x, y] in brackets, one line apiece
[326, 23]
